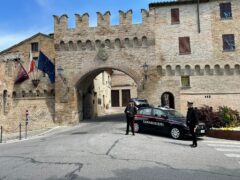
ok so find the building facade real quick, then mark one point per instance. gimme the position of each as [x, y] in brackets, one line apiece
[192, 53]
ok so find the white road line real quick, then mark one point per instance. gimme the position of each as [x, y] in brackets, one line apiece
[224, 145]
[233, 155]
[229, 150]
[222, 142]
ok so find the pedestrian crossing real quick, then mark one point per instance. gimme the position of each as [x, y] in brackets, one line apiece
[230, 149]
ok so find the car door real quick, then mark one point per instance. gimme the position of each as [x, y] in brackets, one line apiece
[143, 116]
[160, 120]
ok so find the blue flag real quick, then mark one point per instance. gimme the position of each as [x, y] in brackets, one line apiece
[45, 65]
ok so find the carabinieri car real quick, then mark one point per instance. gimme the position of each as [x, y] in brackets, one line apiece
[164, 120]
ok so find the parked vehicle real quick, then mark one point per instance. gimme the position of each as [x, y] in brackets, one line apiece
[164, 120]
[140, 103]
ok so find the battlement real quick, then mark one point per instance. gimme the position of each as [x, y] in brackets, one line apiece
[103, 20]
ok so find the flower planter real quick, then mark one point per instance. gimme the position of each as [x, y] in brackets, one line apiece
[224, 134]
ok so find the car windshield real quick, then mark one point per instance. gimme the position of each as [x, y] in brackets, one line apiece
[173, 113]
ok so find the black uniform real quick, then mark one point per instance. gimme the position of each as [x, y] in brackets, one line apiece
[192, 121]
[130, 111]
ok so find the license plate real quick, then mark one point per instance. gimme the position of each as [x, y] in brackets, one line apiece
[202, 131]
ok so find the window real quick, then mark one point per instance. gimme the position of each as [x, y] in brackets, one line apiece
[225, 10]
[175, 16]
[158, 112]
[145, 111]
[34, 47]
[228, 42]
[184, 45]
[35, 58]
[185, 81]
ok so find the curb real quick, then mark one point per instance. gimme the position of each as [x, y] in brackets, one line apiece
[223, 134]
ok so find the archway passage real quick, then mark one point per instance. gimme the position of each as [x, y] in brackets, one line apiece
[104, 91]
[167, 99]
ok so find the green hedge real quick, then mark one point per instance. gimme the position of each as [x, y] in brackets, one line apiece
[223, 117]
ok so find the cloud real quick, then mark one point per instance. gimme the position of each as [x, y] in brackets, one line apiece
[9, 39]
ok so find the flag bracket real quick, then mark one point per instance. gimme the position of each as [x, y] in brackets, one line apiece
[35, 82]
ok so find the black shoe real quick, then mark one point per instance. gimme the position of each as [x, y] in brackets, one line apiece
[133, 134]
[126, 134]
[193, 145]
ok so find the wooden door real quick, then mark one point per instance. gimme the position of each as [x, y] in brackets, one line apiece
[125, 96]
[115, 98]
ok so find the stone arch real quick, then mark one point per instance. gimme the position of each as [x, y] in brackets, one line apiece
[207, 69]
[227, 69]
[127, 42]
[237, 69]
[118, 43]
[178, 70]
[217, 70]
[37, 93]
[79, 77]
[71, 46]
[79, 45]
[187, 70]
[52, 92]
[197, 70]
[108, 43]
[167, 99]
[23, 93]
[144, 41]
[62, 46]
[169, 70]
[83, 80]
[14, 94]
[89, 45]
[135, 42]
[98, 43]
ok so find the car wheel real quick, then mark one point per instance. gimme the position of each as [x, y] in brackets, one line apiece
[136, 127]
[175, 133]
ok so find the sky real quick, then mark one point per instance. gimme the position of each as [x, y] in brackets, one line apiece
[21, 19]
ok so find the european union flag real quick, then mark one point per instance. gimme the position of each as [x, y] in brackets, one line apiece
[45, 65]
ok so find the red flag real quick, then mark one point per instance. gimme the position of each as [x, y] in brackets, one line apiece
[22, 74]
[32, 63]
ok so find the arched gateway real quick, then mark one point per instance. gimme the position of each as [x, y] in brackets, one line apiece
[84, 52]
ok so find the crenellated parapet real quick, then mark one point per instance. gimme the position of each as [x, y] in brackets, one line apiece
[82, 22]
[125, 18]
[103, 20]
[197, 70]
[104, 27]
[60, 23]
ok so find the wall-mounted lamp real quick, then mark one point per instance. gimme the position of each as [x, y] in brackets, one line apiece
[145, 70]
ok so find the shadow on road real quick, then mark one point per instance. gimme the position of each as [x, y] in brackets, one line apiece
[107, 118]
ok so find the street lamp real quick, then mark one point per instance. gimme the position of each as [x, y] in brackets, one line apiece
[145, 70]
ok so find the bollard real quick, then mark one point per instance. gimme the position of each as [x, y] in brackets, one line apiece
[20, 131]
[1, 134]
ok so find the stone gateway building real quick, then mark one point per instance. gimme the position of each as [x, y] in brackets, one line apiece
[191, 52]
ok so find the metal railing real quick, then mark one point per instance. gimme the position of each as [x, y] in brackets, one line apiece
[19, 128]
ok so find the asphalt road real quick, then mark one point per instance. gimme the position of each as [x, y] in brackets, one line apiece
[99, 149]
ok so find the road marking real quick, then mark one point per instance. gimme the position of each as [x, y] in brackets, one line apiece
[229, 150]
[224, 145]
[233, 155]
[223, 142]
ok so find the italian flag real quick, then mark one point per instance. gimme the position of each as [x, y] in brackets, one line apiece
[32, 63]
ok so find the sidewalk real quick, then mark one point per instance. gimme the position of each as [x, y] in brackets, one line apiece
[15, 137]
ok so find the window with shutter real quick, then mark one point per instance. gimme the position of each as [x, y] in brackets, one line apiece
[228, 42]
[225, 10]
[185, 81]
[34, 47]
[175, 16]
[184, 45]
